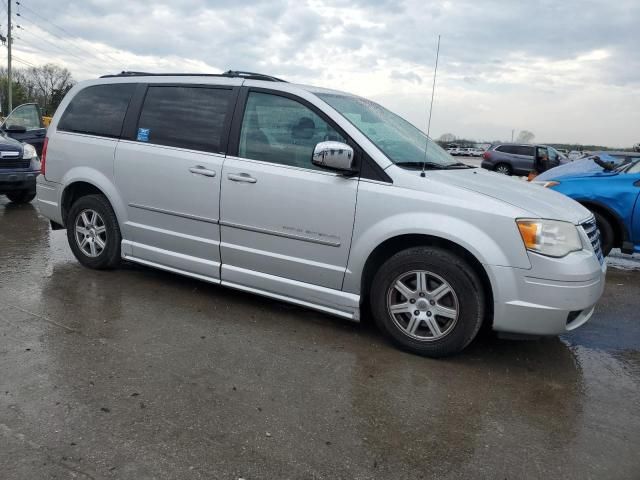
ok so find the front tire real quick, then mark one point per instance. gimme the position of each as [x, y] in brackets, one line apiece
[606, 233]
[93, 232]
[21, 196]
[428, 301]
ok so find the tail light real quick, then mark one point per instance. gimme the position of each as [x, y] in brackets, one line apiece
[43, 157]
[485, 155]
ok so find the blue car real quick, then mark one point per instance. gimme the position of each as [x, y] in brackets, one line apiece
[609, 186]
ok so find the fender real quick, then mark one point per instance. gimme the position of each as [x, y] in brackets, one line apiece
[102, 183]
[620, 223]
[463, 233]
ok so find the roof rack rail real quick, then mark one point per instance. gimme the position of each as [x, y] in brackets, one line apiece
[228, 73]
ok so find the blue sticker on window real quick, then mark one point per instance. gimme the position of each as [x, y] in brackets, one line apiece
[143, 135]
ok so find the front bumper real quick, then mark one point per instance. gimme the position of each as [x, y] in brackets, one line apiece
[18, 180]
[555, 296]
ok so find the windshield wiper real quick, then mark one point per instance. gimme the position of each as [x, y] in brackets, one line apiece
[433, 165]
[458, 165]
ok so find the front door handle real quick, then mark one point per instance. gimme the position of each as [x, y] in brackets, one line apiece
[200, 170]
[241, 177]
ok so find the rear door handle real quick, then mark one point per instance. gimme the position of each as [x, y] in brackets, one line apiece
[241, 177]
[200, 170]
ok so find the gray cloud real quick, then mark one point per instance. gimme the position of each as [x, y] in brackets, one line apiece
[490, 48]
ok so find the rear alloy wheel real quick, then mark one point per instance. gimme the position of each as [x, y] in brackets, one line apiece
[428, 300]
[503, 168]
[21, 196]
[93, 232]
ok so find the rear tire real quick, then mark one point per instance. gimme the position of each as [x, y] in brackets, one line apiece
[442, 307]
[606, 233]
[503, 168]
[93, 232]
[21, 196]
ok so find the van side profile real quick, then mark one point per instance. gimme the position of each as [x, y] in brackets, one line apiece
[315, 197]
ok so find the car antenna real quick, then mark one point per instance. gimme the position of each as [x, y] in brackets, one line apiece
[433, 91]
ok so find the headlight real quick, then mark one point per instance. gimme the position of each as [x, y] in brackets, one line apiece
[549, 237]
[28, 152]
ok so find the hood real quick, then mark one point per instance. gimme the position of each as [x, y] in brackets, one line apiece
[9, 144]
[584, 165]
[538, 201]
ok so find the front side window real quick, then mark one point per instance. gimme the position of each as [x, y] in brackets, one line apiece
[27, 116]
[185, 117]
[399, 140]
[280, 130]
[98, 110]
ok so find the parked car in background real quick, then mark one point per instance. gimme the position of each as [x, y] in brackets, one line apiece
[19, 167]
[575, 155]
[476, 152]
[246, 181]
[611, 190]
[518, 159]
[25, 124]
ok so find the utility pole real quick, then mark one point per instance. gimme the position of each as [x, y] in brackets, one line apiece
[9, 79]
[512, 131]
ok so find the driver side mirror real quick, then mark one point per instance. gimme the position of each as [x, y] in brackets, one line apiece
[14, 129]
[334, 156]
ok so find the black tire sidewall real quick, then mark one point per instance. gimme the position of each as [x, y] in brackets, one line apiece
[110, 256]
[606, 233]
[457, 273]
[21, 196]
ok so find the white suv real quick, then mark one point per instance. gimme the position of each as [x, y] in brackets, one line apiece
[314, 197]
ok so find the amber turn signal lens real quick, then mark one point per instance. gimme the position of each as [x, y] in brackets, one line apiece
[529, 233]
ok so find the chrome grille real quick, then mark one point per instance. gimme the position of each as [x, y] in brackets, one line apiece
[591, 229]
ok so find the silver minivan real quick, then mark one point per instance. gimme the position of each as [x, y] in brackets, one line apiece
[315, 197]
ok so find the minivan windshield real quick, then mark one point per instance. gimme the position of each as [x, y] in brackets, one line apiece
[399, 140]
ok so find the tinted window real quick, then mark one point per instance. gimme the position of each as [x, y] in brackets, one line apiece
[98, 110]
[507, 148]
[280, 130]
[524, 150]
[186, 117]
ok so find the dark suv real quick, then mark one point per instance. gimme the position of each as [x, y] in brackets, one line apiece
[19, 163]
[518, 159]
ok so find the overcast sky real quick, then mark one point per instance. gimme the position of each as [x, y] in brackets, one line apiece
[567, 70]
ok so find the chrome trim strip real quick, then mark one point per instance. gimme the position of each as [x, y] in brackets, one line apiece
[266, 231]
[175, 214]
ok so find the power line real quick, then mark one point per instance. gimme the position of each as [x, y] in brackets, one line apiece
[61, 49]
[64, 31]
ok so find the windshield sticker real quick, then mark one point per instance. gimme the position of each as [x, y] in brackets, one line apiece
[143, 135]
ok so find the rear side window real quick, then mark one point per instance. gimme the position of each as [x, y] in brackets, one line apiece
[507, 149]
[524, 150]
[98, 110]
[185, 117]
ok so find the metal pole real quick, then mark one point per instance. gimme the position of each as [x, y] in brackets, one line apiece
[9, 78]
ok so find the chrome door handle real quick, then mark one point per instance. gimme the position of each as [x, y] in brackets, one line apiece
[241, 177]
[200, 170]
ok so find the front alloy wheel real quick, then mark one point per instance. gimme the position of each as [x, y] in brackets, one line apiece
[423, 305]
[428, 300]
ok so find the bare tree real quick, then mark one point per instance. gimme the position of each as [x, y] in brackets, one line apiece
[447, 137]
[525, 136]
[48, 84]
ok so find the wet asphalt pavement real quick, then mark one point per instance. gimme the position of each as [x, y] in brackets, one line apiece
[138, 374]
